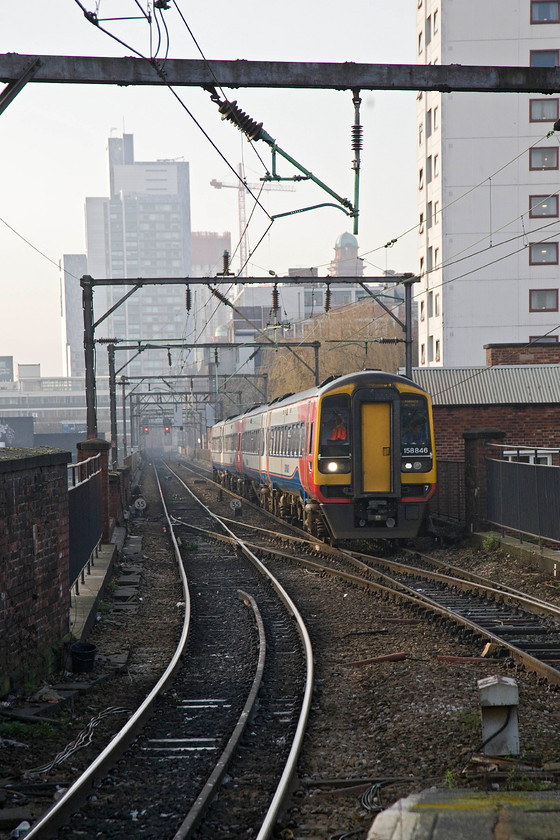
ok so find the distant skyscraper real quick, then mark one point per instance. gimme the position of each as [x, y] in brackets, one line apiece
[72, 267]
[488, 230]
[143, 229]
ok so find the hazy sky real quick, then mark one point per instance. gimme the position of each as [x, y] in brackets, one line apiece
[53, 141]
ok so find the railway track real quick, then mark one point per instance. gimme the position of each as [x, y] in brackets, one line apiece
[227, 716]
[381, 726]
[524, 627]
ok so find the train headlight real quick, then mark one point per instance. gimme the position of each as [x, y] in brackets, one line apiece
[407, 465]
[332, 466]
[417, 465]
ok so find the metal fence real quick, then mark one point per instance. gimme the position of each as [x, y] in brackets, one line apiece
[85, 514]
[524, 497]
[449, 500]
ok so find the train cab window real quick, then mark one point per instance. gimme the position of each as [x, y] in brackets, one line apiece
[415, 435]
[334, 434]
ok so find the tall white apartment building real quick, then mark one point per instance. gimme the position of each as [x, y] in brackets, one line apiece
[488, 184]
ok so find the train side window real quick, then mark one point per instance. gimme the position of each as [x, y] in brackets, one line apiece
[311, 438]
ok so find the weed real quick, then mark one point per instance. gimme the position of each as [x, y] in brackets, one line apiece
[491, 542]
[16, 729]
[449, 779]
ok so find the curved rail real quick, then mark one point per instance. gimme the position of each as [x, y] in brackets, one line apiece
[195, 815]
[397, 589]
[289, 769]
[76, 793]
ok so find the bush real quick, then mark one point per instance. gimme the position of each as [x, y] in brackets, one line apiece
[492, 542]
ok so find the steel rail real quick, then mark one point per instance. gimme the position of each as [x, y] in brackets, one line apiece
[423, 601]
[203, 800]
[406, 593]
[498, 592]
[77, 792]
[476, 578]
[282, 789]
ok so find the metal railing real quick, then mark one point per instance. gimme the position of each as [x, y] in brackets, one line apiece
[523, 495]
[449, 500]
[85, 517]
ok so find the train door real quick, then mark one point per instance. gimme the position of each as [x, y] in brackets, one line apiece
[376, 461]
[376, 447]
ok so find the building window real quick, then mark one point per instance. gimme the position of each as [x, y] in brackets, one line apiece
[420, 133]
[544, 58]
[436, 21]
[429, 123]
[543, 339]
[545, 157]
[436, 166]
[436, 212]
[429, 260]
[543, 110]
[421, 45]
[430, 304]
[437, 350]
[543, 205]
[421, 224]
[436, 116]
[430, 348]
[429, 169]
[543, 11]
[428, 30]
[421, 179]
[429, 215]
[421, 266]
[543, 300]
[437, 305]
[543, 253]
[422, 311]
[436, 257]
[423, 354]
[530, 456]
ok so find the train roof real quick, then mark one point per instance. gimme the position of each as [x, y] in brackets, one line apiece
[332, 383]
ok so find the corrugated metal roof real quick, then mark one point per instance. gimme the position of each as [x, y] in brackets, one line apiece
[502, 384]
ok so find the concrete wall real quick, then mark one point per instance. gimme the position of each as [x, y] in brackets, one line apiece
[34, 562]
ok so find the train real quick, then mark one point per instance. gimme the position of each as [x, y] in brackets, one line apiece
[353, 458]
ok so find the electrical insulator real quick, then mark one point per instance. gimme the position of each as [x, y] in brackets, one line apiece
[357, 137]
[188, 302]
[215, 357]
[328, 299]
[219, 295]
[275, 297]
[243, 121]
[169, 357]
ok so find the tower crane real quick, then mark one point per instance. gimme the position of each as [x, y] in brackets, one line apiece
[241, 189]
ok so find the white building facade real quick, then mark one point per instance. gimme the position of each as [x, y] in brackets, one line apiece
[488, 184]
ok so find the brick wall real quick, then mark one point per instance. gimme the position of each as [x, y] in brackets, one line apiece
[34, 562]
[532, 425]
[521, 354]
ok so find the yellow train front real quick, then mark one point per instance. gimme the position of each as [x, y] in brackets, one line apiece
[374, 467]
